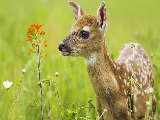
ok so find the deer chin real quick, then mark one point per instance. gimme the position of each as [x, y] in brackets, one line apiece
[70, 53]
[65, 53]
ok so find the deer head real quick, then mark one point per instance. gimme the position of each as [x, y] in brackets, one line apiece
[86, 35]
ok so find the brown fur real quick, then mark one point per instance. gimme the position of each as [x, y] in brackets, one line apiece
[108, 77]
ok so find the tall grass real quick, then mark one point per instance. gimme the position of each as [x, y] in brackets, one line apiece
[129, 21]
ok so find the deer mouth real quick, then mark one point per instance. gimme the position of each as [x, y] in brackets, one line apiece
[64, 49]
[67, 51]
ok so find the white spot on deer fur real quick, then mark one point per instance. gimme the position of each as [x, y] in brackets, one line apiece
[141, 79]
[125, 92]
[146, 90]
[85, 28]
[140, 59]
[126, 61]
[125, 82]
[115, 82]
[145, 63]
[90, 59]
[135, 98]
[130, 57]
[135, 109]
[118, 68]
[137, 91]
[125, 74]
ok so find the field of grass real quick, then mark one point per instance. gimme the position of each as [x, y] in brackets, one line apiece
[128, 21]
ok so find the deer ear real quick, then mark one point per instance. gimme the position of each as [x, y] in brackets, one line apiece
[77, 10]
[101, 13]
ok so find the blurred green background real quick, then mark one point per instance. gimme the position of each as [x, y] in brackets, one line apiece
[128, 21]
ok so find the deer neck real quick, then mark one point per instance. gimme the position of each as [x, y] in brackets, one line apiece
[101, 69]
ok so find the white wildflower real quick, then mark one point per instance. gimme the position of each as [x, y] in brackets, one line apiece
[7, 84]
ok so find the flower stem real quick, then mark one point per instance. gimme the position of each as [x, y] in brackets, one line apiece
[39, 78]
[131, 83]
[49, 110]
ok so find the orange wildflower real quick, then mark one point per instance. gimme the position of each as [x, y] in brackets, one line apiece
[42, 33]
[30, 40]
[35, 45]
[33, 29]
[29, 37]
[30, 52]
[34, 36]
[44, 44]
[46, 55]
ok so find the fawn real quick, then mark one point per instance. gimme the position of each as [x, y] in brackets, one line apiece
[108, 77]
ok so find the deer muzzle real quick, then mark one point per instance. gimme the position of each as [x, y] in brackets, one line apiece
[64, 49]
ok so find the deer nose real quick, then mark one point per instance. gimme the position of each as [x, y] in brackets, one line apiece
[64, 47]
[61, 46]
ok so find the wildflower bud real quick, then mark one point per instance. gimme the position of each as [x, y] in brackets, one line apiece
[150, 90]
[56, 74]
[89, 100]
[105, 110]
[132, 45]
[39, 83]
[151, 55]
[23, 71]
[49, 77]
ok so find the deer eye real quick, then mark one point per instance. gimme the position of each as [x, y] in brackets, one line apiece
[84, 34]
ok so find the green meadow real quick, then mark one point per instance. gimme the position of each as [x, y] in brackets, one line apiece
[128, 21]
